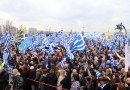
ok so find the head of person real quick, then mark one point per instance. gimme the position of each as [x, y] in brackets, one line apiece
[52, 71]
[128, 81]
[62, 73]
[114, 69]
[88, 79]
[16, 72]
[95, 58]
[74, 72]
[120, 86]
[102, 80]
[100, 68]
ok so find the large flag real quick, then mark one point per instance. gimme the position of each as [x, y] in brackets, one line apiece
[127, 57]
[22, 33]
[108, 35]
[78, 44]
[26, 44]
[62, 63]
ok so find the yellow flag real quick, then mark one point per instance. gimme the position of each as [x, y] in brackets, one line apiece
[108, 35]
[22, 32]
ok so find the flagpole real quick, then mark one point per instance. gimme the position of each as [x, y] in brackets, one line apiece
[125, 53]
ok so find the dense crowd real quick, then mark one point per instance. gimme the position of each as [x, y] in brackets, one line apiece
[41, 71]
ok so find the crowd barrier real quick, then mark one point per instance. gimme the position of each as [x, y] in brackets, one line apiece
[45, 84]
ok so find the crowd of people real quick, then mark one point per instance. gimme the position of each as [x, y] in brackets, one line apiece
[41, 71]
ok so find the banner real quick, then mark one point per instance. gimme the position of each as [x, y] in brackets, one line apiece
[127, 57]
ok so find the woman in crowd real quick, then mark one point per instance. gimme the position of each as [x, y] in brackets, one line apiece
[66, 82]
[17, 80]
[60, 78]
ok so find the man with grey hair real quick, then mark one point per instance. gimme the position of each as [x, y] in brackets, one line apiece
[4, 79]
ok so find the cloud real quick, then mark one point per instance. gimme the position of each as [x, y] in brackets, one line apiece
[72, 14]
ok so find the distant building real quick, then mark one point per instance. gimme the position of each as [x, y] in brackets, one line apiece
[32, 31]
[10, 29]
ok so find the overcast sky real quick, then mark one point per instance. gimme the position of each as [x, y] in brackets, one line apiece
[94, 15]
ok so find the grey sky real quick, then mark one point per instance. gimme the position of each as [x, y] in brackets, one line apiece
[95, 15]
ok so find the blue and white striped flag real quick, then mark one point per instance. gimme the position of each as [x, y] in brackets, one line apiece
[85, 65]
[112, 61]
[22, 37]
[5, 57]
[47, 63]
[78, 44]
[97, 73]
[62, 63]
[6, 42]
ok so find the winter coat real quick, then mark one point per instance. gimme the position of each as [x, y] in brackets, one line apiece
[16, 80]
[42, 79]
[51, 79]
[66, 83]
[4, 77]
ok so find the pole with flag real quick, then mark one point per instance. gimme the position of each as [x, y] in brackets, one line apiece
[108, 35]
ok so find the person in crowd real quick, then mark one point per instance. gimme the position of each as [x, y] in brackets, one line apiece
[103, 84]
[60, 78]
[17, 80]
[32, 75]
[127, 85]
[4, 79]
[74, 72]
[51, 79]
[121, 86]
[89, 84]
[66, 82]
[43, 79]
[76, 84]
[38, 67]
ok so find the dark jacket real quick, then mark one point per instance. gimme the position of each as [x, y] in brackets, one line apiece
[4, 80]
[32, 75]
[66, 83]
[106, 87]
[51, 79]
[16, 80]
[42, 79]
[89, 86]
[27, 82]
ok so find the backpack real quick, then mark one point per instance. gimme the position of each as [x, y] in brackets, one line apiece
[20, 81]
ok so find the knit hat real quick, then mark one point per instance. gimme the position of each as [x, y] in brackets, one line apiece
[32, 67]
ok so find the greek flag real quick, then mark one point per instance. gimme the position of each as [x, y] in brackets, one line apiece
[97, 73]
[47, 63]
[85, 65]
[69, 53]
[27, 43]
[112, 61]
[78, 44]
[6, 42]
[45, 42]
[117, 64]
[22, 37]
[50, 51]
[62, 63]
[5, 56]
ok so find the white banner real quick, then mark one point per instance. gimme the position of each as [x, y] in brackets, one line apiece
[127, 57]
